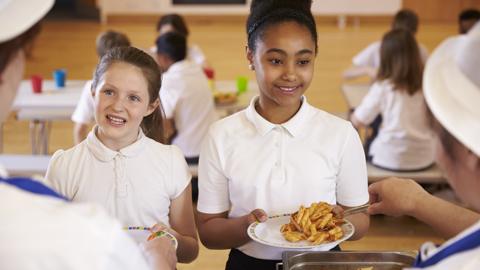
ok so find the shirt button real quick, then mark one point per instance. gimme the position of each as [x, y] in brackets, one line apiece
[277, 164]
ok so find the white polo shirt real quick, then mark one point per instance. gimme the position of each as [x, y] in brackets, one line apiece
[41, 233]
[404, 140]
[85, 111]
[370, 56]
[247, 163]
[135, 184]
[187, 99]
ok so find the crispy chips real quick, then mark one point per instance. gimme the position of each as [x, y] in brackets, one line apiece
[316, 224]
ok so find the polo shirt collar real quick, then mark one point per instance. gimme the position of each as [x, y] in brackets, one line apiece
[105, 154]
[293, 126]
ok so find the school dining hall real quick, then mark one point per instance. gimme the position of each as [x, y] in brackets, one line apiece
[251, 134]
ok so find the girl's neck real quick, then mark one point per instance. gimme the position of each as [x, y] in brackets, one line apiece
[274, 113]
[115, 144]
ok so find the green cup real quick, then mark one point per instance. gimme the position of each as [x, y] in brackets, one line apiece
[242, 84]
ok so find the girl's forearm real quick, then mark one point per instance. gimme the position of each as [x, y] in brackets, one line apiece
[361, 222]
[224, 233]
[187, 250]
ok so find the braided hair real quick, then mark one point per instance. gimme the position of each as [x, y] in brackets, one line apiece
[264, 13]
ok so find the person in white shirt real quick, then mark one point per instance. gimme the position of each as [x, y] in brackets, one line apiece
[185, 95]
[280, 152]
[452, 91]
[367, 62]
[186, 99]
[404, 141]
[83, 116]
[39, 229]
[175, 23]
[122, 165]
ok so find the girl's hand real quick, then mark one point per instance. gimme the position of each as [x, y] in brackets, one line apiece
[257, 215]
[338, 211]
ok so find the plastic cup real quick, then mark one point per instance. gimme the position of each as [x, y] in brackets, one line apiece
[59, 75]
[36, 83]
[242, 83]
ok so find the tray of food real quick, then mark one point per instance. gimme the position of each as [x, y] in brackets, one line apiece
[346, 260]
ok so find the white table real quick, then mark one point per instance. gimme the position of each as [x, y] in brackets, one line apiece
[25, 165]
[354, 93]
[40, 109]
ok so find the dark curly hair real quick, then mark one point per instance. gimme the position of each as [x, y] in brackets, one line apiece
[265, 13]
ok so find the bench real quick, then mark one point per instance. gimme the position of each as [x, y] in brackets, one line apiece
[432, 175]
[25, 165]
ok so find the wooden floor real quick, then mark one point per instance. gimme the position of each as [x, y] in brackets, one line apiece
[70, 45]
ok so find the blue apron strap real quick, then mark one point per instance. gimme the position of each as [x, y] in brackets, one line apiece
[469, 241]
[32, 186]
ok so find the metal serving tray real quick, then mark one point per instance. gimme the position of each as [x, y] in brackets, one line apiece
[346, 260]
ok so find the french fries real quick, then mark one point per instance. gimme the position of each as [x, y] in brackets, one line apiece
[316, 224]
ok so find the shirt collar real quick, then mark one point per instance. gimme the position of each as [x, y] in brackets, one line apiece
[294, 125]
[103, 153]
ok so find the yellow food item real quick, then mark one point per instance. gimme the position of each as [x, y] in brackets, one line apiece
[224, 98]
[316, 224]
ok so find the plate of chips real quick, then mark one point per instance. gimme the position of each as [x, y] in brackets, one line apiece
[314, 227]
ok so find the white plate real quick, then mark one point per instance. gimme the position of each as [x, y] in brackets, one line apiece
[141, 236]
[268, 233]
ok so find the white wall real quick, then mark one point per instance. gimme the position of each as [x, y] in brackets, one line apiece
[319, 7]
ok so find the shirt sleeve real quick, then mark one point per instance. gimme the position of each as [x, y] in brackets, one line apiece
[57, 177]
[366, 58]
[169, 99]
[125, 254]
[352, 181]
[370, 106]
[213, 195]
[196, 54]
[84, 112]
[180, 173]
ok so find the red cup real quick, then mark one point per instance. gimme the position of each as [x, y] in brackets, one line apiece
[36, 84]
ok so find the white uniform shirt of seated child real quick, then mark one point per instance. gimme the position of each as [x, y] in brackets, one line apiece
[187, 99]
[248, 163]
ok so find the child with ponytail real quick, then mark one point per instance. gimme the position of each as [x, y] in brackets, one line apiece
[123, 164]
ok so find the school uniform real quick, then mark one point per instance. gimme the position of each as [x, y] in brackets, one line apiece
[85, 110]
[461, 252]
[135, 184]
[187, 99]
[370, 56]
[247, 162]
[40, 230]
[404, 140]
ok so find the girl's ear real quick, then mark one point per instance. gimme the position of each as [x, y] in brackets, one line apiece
[152, 106]
[249, 53]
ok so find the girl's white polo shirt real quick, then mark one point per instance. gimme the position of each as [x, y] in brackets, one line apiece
[135, 184]
[405, 139]
[247, 162]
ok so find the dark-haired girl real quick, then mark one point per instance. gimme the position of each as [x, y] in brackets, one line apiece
[280, 152]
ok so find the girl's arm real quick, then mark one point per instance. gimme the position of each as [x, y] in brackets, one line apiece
[183, 226]
[360, 221]
[217, 231]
